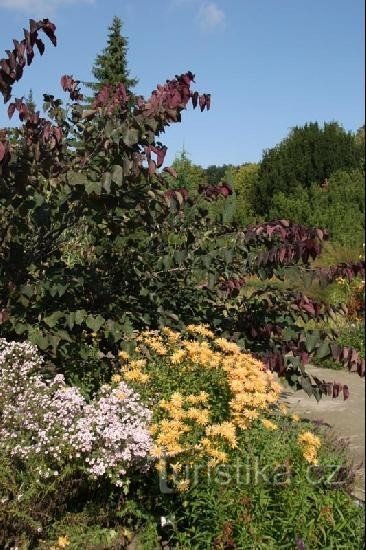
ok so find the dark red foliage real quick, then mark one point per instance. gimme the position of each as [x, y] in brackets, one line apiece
[4, 316]
[170, 170]
[169, 99]
[230, 286]
[110, 97]
[12, 67]
[20, 106]
[195, 96]
[349, 357]
[300, 544]
[284, 230]
[266, 331]
[179, 196]
[72, 86]
[311, 308]
[40, 130]
[290, 253]
[344, 270]
[204, 101]
[37, 130]
[275, 362]
[159, 151]
[4, 151]
[213, 192]
[171, 96]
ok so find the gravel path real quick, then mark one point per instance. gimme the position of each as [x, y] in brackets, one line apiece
[347, 418]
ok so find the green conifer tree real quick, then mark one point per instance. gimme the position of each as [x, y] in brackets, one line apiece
[110, 66]
[30, 102]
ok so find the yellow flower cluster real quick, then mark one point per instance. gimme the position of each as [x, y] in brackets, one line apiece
[202, 397]
[283, 409]
[171, 335]
[310, 445]
[226, 430]
[216, 455]
[200, 330]
[182, 421]
[123, 355]
[226, 346]
[201, 354]
[132, 369]
[154, 341]
[252, 387]
[269, 424]
[177, 357]
[62, 542]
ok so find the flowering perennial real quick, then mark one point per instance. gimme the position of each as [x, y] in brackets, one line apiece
[310, 444]
[185, 423]
[52, 421]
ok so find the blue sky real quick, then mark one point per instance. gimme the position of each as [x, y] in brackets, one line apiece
[269, 64]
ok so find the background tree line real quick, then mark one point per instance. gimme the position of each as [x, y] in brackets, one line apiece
[314, 176]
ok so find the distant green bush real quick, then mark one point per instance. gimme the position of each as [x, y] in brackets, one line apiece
[311, 153]
[339, 207]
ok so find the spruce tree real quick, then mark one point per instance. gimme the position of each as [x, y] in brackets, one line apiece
[110, 66]
[30, 102]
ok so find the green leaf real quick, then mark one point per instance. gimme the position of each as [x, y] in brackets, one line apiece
[70, 319]
[107, 179]
[51, 320]
[229, 210]
[27, 290]
[24, 301]
[179, 256]
[306, 385]
[108, 129]
[312, 339]
[131, 137]
[20, 328]
[127, 327]
[80, 316]
[93, 187]
[117, 174]
[94, 323]
[323, 350]
[37, 338]
[54, 341]
[211, 280]
[39, 199]
[63, 335]
[112, 330]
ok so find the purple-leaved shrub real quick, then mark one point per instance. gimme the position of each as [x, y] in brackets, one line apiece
[51, 421]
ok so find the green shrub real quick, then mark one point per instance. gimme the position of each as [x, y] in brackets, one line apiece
[339, 208]
[308, 155]
[288, 504]
[91, 514]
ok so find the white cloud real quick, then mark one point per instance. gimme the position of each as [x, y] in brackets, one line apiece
[210, 16]
[36, 7]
